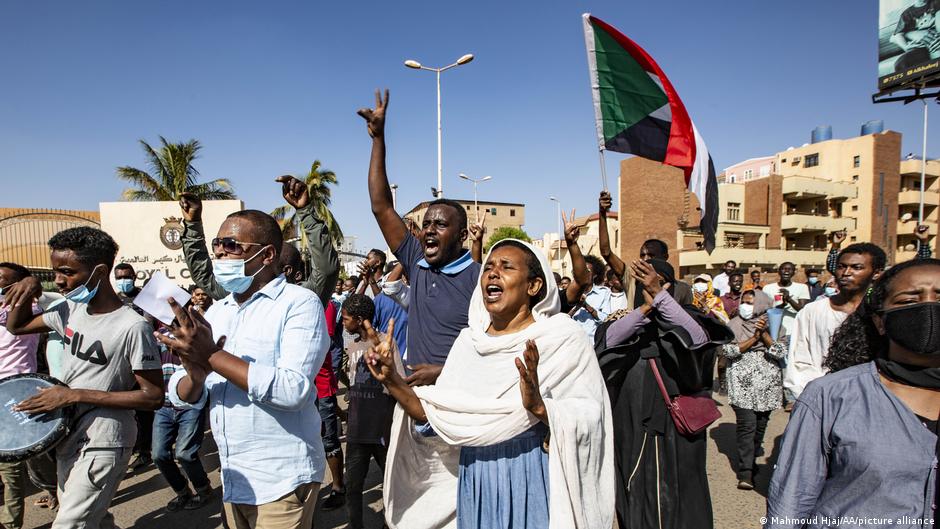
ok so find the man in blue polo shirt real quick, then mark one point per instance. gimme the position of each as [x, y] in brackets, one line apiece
[442, 273]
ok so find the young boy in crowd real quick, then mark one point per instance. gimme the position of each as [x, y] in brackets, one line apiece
[370, 406]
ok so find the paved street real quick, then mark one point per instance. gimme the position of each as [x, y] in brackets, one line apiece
[141, 499]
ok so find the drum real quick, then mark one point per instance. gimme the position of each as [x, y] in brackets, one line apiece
[23, 436]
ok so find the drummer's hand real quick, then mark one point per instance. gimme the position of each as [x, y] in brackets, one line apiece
[191, 336]
[48, 399]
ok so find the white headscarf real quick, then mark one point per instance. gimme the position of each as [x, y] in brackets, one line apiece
[477, 402]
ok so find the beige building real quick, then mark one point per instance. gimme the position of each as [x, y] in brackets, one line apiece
[498, 214]
[148, 234]
[819, 188]
[857, 184]
[557, 250]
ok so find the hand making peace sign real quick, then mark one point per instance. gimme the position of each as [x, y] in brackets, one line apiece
[375, 117]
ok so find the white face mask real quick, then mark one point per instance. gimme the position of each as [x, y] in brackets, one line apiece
[746, 311]
[701, 288]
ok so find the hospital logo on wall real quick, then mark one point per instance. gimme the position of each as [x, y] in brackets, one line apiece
[171, 234]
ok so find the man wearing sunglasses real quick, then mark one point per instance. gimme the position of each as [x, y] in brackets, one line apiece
[253, 359]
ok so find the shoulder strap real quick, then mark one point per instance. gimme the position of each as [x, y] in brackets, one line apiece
[659, 381]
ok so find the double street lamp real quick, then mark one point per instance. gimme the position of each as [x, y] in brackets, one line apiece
[476, 206]
[439, 191]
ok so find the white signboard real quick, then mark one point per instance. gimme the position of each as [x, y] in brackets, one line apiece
[148, 234]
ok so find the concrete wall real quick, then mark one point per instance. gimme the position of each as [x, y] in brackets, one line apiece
[136, 226]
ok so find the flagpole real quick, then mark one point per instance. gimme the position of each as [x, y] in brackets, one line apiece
[603, 168]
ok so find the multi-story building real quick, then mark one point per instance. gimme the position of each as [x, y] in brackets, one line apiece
[588, 241]
[909, 206]
[498, 214]
[748, 170]
[834, 184]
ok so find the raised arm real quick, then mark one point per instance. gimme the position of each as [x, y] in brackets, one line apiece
[323, 258]
[581, 279]
[603, 238]
[477, 232]
[194, 247]
[18, 299]
[923, 237]
[380, 194]
[832, 260]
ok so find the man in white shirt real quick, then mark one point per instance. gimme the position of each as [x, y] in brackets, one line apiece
[720, 283]
[788, 295]
[253, 359]
[858, 266]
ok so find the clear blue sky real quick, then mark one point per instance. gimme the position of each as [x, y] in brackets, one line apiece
[267, 87]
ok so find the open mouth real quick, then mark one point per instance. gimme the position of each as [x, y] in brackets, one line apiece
[493, 293]
[431, 246]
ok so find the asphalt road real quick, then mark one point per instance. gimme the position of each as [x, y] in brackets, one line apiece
[142, 497]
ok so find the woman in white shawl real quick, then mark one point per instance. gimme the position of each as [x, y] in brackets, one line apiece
[499, 442]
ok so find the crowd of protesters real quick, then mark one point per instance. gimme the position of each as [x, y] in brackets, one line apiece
[489, 391]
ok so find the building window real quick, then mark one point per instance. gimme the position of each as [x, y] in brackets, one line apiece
[493, 211]
[855, 178]
[734, 211]
[854, 208]
[765, 170]
[812, 160]
[857, 161]
[783, 160]
[512, 213]
[748, 174]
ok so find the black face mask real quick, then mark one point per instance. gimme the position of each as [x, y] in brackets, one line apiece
[915, 327]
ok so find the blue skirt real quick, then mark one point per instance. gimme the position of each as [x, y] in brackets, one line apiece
[504, 486]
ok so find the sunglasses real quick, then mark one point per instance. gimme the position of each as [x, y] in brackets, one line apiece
[230, 245]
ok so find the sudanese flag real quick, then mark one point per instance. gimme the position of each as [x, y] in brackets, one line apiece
[639, 112]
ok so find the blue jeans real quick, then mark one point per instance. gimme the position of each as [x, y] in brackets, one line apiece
[184, 429]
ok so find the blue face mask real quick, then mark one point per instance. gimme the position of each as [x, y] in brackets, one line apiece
[813, 280]
[230, 273]
[82, 294]
[831, 291]
[125, 286]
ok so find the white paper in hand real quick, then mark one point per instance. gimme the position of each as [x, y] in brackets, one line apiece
[152, 299]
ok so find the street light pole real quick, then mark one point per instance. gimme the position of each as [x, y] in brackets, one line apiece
[476, 205]
[558, 219]
[439, 191]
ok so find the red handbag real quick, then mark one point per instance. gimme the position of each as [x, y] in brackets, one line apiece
[692, 414]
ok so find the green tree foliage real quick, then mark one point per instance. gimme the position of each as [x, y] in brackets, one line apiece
[171, 174]
[506, 232]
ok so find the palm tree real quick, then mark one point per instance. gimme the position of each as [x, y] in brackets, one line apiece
[318, 182]
[171, 174]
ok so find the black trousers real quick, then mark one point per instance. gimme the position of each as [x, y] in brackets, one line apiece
[144, 431]
[358, 457]
[751, 426]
